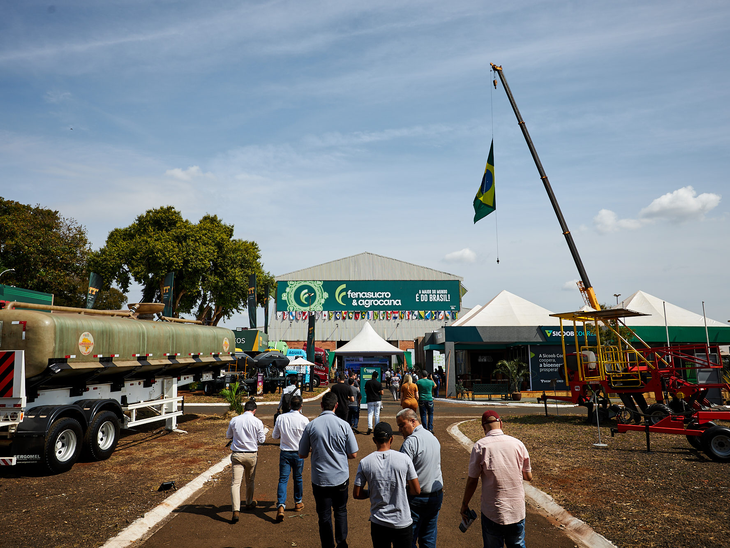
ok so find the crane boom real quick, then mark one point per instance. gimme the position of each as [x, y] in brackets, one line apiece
[587, 287]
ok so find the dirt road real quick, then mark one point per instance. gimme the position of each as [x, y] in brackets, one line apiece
[206, 519]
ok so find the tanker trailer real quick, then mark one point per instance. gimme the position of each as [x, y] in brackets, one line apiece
[71, 378]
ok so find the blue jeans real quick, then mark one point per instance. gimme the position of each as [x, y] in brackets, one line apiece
[329, 501]
[425, 513]
[497, 536]
[288, 461]
[426, 410]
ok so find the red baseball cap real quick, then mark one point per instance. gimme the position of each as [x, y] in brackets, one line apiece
[487, 415]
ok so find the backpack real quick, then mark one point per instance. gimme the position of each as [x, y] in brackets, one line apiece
[286, 402]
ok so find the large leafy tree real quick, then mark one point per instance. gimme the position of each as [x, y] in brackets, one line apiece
[47, 251]
[211, 268]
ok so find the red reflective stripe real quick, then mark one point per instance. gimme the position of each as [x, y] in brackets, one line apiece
[7, 372]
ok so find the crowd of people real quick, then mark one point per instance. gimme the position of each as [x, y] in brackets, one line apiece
[405, 487]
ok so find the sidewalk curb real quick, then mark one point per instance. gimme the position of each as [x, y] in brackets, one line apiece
[139, 528]
[579, 531]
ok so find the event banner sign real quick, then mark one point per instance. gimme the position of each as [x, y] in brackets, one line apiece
[546, 363]
[368, 295]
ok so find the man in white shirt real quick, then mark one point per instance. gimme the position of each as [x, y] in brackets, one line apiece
[289, 428]
[247, 433]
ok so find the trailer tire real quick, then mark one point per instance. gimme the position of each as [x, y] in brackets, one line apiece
[716, 443]
[696, 441]
[102, 436]
[656, 412]
[208, 389]
[62, 445]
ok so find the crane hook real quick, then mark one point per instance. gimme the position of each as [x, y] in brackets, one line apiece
[495, 83]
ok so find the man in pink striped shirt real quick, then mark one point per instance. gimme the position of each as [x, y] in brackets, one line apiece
[502, 462]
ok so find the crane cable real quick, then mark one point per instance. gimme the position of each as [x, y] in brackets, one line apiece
[496, 213]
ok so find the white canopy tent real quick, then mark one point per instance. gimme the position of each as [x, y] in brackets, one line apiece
[654, 308]
[506, 309]
[368, 343]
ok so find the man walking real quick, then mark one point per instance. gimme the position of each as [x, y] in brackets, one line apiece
[331, 442]
[344, 396]
[391, 477]
[502, 462]
[247, 433]
[425, 401]
[425, 451]
[374, 395]
[353, 413]
[289, 428]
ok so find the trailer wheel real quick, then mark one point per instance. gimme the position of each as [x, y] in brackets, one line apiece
[716, 443]
[102, 436]
[656, 412]
[208, 389]
[625, 415]
[695, 441]
[62, 445]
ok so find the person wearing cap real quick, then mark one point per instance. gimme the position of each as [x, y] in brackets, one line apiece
[502, 462]
[331, 442]
[391, 477]
[422, 447]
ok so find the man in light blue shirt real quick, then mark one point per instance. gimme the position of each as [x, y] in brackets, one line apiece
[425, 451]
[331, 442]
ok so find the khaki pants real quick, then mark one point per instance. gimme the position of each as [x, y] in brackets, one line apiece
[242, 463]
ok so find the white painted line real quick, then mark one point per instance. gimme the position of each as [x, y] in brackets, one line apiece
[140, 527]
[578, 531]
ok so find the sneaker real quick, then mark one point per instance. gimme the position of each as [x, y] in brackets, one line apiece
[280, 514]
[251, 506]
[234, 519]
[368, 432]
[299, 506]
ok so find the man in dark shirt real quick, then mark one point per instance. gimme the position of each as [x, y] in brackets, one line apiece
[344, 397]
[373, 393]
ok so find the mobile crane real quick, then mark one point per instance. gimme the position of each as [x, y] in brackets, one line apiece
[631, 370]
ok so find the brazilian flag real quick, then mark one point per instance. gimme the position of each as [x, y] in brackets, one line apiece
[484, 202]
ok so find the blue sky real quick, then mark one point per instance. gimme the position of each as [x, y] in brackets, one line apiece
[322, 129]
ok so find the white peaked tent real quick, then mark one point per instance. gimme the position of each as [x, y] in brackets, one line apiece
[654, 307]
[507, 309]
[368, 343]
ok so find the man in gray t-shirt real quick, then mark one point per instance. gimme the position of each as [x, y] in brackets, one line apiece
[391, 478]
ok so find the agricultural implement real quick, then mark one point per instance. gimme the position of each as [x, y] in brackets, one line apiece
[683, 379]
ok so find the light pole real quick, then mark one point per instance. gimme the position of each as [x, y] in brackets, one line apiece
[7, 270]
[617, 295]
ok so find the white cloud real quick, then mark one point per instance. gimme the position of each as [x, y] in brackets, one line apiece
[465, 255]
[193, 172]
[55, 96]
[608, 221]
[681, 205]
[570, 285]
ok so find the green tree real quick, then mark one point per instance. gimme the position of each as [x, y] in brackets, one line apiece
[610, 335]
[514, 370]
[211, 268]
[47, 251]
